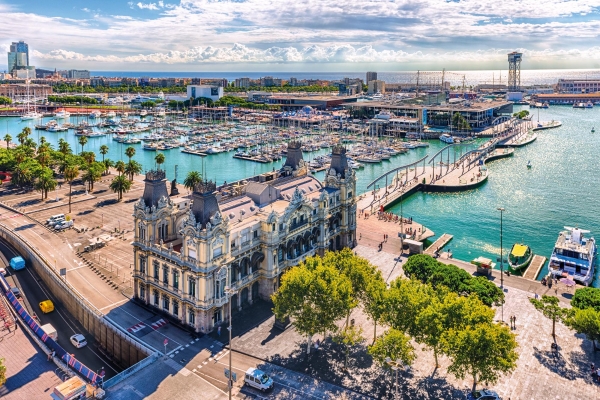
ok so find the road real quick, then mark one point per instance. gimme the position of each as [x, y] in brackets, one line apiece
[34, 291]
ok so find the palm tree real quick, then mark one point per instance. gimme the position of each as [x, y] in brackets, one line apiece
[64, 147]
[130, 152]
[43, 141]
[21, 137]
[82, 141]
[7, 139]
[29, 142]
[119, 185]
[91, 175]
[160, 159]
[132, 168]
[103, 151]
[43, 158]
[45, 182]
[71, 172]
[108, 163]
[120, 167]
[89, 157]
[192, 179]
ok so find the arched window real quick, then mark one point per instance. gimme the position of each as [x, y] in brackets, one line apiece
[141, 231]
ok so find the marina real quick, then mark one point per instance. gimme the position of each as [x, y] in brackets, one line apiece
[438, 211]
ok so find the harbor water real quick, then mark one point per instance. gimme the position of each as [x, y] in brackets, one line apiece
[561, 189]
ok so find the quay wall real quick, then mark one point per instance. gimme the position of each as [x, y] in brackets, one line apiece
[112, 341]
[453, 188]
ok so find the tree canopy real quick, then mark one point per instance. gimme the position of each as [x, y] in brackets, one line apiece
[587, 297]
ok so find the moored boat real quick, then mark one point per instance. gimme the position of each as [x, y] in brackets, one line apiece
[519, 257]
[574, 255]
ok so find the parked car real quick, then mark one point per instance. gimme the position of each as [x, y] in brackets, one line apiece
[483, 394]
[258, 379]
[64, 225]
[78, 340]
[53, 220]
[16, 291]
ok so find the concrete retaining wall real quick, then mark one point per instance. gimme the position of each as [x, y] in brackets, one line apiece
[113, 342]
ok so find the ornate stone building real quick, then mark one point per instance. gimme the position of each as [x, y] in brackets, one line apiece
[242, 235]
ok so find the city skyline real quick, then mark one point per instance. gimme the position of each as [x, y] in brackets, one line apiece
[317, 35]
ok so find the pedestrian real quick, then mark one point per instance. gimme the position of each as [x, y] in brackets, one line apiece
[219, 331]
[536, 296]
[515, 321]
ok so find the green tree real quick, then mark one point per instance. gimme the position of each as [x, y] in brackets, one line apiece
[45, 181]
[130, 152]
[92, 174]
[2, 372]
[548, 306]
[393, 344]
[103, 151]
[7, 139]
[148, 104]
[587, 322]
[132, 168]
[349, 336]
[82, 141]
[89, 157]
[119, 185]
[64, 147]
[587, 297]
[71, 173]
[375, 301]
[43, 158]
[192, 179]
[25, 172]
[314, 295]
[406, 298]
[120, 167]
[420, 267]
[484, 351]
[108, 163]
[159, 159]
[4, 101]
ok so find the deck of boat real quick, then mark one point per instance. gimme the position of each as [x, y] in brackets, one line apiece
[439, 243]
[535, 267]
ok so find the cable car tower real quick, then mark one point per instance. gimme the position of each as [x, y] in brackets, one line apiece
[514, 71]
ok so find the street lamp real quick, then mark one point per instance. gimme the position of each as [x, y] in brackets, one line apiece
[396, 365]
[501, 209]
[230, 292]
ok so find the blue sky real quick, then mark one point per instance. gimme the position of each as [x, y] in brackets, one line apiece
[309, 35]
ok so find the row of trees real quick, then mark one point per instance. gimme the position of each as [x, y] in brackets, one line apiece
[38, 166]
[5, 100]
[65, 88]
[320, 294]
[72, 99]
[284, 89]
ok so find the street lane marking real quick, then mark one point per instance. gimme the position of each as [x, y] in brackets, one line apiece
[114, 304]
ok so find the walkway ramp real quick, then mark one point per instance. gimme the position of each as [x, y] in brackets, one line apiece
[535, 267]
[438, 244]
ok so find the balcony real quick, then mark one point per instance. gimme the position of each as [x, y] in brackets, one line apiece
[221, 301]
[245, 280]
[298, 225]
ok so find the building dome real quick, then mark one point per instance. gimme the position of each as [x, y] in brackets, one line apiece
[308, 110]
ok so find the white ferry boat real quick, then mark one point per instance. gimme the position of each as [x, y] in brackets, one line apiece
[62, 113]
[574, 255]
[446, 138]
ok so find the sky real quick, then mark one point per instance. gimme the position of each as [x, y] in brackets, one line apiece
[308, 35]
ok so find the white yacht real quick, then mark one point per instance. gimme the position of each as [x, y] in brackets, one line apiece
[446, 138]
[31, 115]
[377, 96]
[574, 255]
[62, 113]
[95, 114]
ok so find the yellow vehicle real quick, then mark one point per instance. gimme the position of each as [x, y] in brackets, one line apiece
[47, 306]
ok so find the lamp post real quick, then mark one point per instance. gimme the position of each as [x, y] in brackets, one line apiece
[396, 365]
[230, 292]
[501, 209]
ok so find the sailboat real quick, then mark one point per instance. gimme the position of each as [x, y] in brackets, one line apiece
[529, 164]
[593, 130]
[30, 114]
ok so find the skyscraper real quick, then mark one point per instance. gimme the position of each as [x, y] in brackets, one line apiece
[371, 76]
[18, 56]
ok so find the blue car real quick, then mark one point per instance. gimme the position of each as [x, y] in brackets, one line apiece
[483, 394]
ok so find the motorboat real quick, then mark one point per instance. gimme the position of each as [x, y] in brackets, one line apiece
[446, 138]
[95, 114]
[62, 113]
[574, 255]
[519, 257]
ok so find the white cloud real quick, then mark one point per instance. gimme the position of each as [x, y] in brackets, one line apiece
[323, 31]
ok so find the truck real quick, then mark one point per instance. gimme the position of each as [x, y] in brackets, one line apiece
[73, 388]
[50, 331]
[17, 263]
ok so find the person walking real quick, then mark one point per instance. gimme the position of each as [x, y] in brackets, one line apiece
[515, 321]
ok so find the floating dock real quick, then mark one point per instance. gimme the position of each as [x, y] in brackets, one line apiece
[535, 267]
[439, 243]
[252, 158]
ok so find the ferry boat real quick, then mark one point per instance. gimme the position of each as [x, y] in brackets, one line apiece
[519, 257]
[446, 138]
[574, 255]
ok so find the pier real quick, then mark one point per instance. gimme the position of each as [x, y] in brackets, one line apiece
[535, 267]
[439, 244]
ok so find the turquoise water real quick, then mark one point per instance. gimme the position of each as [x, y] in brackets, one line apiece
[560, 190]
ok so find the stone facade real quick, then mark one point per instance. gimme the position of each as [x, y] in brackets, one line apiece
[241, 236]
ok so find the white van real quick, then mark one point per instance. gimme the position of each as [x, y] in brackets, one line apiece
[258, 379]
[64, 225]
[50, 331]
[53, 220]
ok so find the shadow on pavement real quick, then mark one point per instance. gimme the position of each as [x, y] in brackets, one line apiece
[555, 362]
[23, 227]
